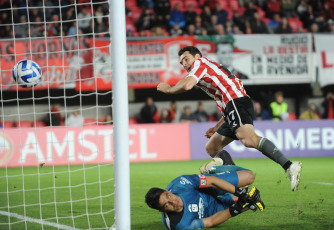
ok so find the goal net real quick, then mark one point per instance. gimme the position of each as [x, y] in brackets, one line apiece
[56, 143]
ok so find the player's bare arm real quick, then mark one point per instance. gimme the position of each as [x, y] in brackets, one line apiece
[217, 218]
[212, 130]
[180, 87]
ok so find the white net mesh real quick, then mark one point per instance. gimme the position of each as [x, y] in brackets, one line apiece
[56, 138]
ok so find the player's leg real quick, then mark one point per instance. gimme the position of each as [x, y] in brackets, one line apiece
[240, 118]
[216, 143]
[225, 156]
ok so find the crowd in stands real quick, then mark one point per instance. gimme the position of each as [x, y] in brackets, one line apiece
[167, 17]
[276, 110]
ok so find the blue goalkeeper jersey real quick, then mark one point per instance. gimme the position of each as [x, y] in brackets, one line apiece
[199, 202]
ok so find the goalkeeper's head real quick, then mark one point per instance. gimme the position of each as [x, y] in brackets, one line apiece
[152, 198]
[163, 200]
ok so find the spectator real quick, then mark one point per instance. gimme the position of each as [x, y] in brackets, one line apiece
[198, 25]
[308, 17]
[187, 116]
[274, 7]
[162, 11]
[211, 4]
[176, 30]
[100, 20]
[55, 117]
[301, 8]
[148, 111]
[258, 26]
[284, 27]
[73, 29]
[328, 106]
[229, 28]
[21, 28]
[206, 16]
[250, 10]
[158, 31]
[260, 114]
[331, 26]
[236, 20]
[322, 24]
[146, 20]
[75, 119]
[165, 116]
[190, 15]
[213, 24]
[310, 113]
[84, 20]
[68, 19]
[274, 23]
[201, 114]
[173, 111]
[219, 30]
[236, 30]
[279, 108]
[314, 28]
[221, 14]
[327, 11]
[288, 8]
[177, 17]
[108, 120]
[191, 30]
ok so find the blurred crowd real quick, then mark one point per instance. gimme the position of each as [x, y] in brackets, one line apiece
[275, 110]
[166, 17]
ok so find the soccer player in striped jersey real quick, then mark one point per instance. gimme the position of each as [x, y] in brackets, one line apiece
[237, 107]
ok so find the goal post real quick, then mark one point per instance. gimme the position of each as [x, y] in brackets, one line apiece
[120, 106]
[64, 144]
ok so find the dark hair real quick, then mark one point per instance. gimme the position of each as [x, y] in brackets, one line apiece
[192, 50]
[152, 198]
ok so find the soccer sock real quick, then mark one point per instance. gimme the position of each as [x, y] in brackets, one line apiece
[271, 151]
[225, 156]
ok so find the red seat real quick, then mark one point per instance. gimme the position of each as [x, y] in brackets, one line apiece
[191, 2]
[133, 120]
[135, 13]
[38, 123]
[7, 124]
[90, 121]
[292, 116]
[101, 120]
[295, 23]
[234, 4]
[130, 26]
[23, 124]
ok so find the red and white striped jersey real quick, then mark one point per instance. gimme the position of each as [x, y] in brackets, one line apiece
[217, 81]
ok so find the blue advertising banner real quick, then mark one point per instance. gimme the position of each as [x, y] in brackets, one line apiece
[293, 138]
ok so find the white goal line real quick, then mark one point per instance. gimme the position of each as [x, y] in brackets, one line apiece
[38, 221]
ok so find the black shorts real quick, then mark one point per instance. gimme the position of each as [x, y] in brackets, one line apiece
[237, 112]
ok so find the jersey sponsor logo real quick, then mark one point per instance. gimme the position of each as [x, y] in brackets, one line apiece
[184, 181]
[200, 208]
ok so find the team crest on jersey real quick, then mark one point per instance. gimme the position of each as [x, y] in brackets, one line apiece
[193, 208]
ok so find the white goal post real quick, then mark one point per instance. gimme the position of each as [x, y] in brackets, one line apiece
[64, 144]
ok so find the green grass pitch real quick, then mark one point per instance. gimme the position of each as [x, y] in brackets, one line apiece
[311, 207]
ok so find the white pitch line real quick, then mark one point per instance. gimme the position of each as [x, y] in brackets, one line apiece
[38, 221]
[324, 183]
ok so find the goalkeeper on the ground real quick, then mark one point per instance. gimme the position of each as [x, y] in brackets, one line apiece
[206, 200]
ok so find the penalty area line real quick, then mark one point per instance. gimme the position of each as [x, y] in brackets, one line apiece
[324, 183]
[38, 221]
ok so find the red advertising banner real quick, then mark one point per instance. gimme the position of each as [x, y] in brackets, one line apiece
[92, 145]
[148, 63]
[61, 62]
